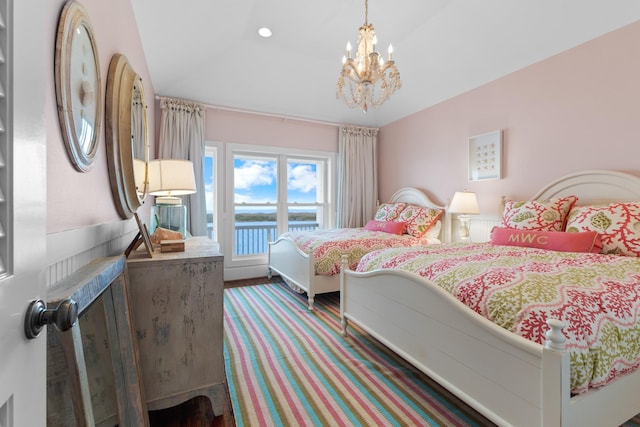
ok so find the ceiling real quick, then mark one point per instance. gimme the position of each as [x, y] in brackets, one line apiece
[209, 50]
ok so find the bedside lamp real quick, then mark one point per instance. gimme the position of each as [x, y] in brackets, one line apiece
[464, 203]
[168, 179]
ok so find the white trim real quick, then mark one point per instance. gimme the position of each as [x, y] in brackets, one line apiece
[225, 219]
[68, 251]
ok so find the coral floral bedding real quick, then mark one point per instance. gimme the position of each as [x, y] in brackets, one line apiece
[328, 246]
[597, 296]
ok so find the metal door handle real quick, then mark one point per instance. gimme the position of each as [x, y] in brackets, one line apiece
[63, 317]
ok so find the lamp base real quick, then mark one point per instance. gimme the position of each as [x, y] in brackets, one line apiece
[169, 216]
[464, 233]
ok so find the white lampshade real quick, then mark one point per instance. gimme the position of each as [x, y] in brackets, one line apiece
[171, 177]
[464, 202]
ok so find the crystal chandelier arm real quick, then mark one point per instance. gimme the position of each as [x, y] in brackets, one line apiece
[350, 71]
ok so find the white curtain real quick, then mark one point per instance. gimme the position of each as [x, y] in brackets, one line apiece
[357, 175]
[182, 137]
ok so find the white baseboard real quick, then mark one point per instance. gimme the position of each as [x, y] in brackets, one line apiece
[242, 273]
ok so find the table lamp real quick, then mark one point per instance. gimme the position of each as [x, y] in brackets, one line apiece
[169, 179]
[464, 203]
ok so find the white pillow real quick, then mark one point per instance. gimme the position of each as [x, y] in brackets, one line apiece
[434, 231]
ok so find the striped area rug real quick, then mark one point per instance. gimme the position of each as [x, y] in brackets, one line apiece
[289, 367]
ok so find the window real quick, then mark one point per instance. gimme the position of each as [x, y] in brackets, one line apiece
[210, 181]
[268, 191]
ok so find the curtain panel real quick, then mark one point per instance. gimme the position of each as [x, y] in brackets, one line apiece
[182, 137]
[357, 175]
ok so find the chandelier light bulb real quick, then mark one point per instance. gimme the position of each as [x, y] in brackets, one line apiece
[348, 49]
[390, 50]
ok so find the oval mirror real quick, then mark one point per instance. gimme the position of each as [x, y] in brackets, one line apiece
[126, 136]
[77, 80]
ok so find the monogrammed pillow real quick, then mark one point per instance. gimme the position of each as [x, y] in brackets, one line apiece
[586, 241]
[392, 227]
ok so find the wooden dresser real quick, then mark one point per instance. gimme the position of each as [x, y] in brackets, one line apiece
[177, 314]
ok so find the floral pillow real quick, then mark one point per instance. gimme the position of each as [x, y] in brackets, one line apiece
[617, 223]
[419, 220]
[389, 211]
[538, 215]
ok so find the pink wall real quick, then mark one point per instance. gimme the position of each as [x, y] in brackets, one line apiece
[575, 111]
[76, 199]
[256, 129]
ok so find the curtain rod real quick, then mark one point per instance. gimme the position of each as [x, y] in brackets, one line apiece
[277, 116]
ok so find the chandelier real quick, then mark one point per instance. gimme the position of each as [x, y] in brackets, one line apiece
[367, 80]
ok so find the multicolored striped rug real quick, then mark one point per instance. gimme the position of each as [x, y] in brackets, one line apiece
[287, 366]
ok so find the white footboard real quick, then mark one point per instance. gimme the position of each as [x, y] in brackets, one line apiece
[287, 260]
[507, 378]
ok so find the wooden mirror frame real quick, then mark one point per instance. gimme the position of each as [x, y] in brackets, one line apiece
[78, 85]
[124, 88]
[122, 81]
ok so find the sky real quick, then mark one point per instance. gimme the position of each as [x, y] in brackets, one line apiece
[255, 181]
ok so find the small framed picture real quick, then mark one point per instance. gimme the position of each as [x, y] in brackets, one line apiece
[485, 156]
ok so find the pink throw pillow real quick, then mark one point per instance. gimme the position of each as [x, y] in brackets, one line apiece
[539, 215]
[617, 223]
[392, 227]
[587, 241]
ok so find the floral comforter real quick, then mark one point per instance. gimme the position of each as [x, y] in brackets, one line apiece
[597, 296]
[328, 246]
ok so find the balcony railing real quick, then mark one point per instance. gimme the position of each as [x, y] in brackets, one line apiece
[253, 239]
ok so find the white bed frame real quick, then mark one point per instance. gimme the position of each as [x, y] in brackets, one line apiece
[297, 268]
[508, 379]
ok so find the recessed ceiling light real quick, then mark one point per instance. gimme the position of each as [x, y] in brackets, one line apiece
[264, 32]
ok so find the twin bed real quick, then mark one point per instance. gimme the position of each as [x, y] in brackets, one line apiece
[310, 261]
[544, 359]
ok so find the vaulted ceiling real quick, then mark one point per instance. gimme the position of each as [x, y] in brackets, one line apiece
[209, 50]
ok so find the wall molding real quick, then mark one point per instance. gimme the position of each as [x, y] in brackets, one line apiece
[68, 251]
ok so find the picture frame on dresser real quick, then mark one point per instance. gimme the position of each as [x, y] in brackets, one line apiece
[485, 156]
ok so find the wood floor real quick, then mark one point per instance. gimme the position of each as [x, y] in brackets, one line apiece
[198, 412]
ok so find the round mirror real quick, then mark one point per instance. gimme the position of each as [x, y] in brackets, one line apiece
[77, 79]
[126, 136]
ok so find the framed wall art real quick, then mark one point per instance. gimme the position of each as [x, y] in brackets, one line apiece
[485, 156]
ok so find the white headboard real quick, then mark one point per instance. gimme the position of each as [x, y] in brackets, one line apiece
[416, 197]
[594, 187]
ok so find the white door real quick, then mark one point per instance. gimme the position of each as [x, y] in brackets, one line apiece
[22, 213]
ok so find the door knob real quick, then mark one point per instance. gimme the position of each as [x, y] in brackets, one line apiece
[63, 317]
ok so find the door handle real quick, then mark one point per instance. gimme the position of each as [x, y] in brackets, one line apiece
[64, 316]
